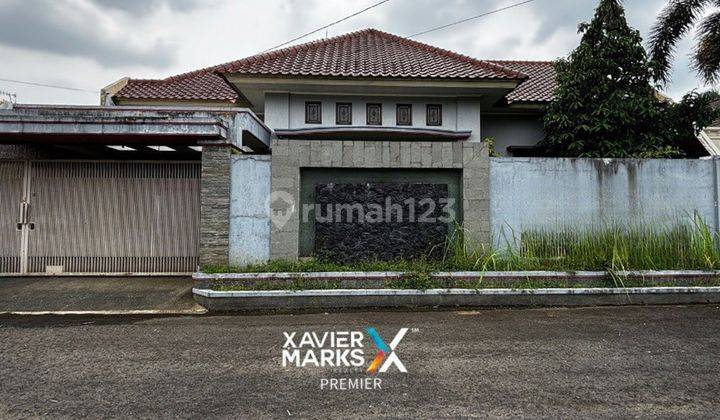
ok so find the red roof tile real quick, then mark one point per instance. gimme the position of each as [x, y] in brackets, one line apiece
[367, 53]
[540, 85]
[199, 85]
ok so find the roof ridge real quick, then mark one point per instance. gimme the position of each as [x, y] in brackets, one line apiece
[449, 53]
[258, 57]
[522, 61]
[227, 67]
[264, 56]
[427, 47]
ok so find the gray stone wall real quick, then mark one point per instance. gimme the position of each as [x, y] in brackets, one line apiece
[291, 155]
[215, 206]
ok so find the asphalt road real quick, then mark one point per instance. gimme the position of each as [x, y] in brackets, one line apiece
[628, 361]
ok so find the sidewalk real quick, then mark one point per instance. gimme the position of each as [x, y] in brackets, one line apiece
[122, 295]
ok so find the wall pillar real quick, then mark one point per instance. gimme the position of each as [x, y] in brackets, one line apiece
[476, 196]
[215, 187]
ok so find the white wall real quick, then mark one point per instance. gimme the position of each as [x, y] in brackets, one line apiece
[283, 110]
[552, 194]
[512, 130]
[277, 111]
[297, 110]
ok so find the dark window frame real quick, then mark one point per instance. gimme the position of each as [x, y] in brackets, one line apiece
[367, 114]
[437, 123]
[397, 114]
[308, 104]
[337, 113]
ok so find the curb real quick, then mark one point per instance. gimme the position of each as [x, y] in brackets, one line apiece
[283, 300]
[450, 280]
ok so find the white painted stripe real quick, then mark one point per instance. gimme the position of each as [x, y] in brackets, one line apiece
[197, 311]
[452, 292]
[97, 275]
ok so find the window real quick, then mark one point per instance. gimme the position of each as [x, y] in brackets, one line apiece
[404, 114]
[313, 113]
[343, 113]
[434, 115]
[374, 114]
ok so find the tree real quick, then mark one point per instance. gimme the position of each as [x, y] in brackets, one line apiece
[605, 104]
[674, 22]
[682, 122]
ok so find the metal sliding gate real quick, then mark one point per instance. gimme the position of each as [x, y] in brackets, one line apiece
[99, 216]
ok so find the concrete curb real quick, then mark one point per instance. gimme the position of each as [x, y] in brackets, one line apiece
[379, 280]
[282, 300]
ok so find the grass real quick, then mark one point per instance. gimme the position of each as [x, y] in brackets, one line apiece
[613, 249]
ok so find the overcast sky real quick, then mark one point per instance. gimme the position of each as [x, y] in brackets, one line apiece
[88, 44]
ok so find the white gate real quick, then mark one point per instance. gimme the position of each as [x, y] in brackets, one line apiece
[99, 216]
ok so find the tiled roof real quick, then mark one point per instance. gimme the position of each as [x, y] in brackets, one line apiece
[199, 85]
[368, 53]
[539, 87]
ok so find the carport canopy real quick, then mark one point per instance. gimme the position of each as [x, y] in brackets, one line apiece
[133, 126]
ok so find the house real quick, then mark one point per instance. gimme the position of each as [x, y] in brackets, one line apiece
[386, 106]
[362, 74]
[710, 137]
[365, 145]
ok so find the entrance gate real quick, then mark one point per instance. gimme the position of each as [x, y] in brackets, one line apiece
[99, 216]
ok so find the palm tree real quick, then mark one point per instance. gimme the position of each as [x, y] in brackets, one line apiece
[678, 17]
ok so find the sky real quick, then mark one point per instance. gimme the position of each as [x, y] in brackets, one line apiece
[88, 44]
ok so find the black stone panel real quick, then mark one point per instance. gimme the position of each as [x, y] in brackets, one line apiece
[374, 221]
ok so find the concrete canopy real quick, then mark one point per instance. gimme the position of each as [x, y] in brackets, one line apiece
[49, 124]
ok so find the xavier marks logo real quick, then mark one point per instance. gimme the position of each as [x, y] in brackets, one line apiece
[386, 353]
[355, 351]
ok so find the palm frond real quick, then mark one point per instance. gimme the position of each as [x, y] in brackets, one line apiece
[706, 57]
[673, 23]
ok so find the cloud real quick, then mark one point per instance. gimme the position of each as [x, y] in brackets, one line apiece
[90, 43]
[66, 29]
[143, 7]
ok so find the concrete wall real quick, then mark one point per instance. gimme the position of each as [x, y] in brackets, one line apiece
[512, 130]
[283, 110]
[277, 110]
[291, 155]
[22, 151]
[249, 209]
[539, 193]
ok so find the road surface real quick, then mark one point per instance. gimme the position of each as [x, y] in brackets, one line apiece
[627, 361]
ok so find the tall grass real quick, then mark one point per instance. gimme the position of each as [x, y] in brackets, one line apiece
[683, 246]
[679, 247]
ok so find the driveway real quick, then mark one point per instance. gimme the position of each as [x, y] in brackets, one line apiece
[607, 362]
[57, 294]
